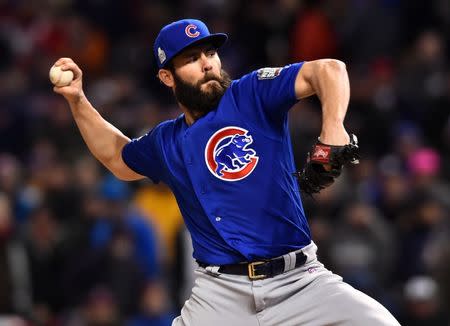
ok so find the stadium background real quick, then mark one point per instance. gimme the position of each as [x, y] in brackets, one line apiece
[78, 247]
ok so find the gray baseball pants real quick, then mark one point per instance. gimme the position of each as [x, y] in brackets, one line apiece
[309, 295]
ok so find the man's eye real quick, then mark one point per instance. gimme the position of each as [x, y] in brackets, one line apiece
[211, 53]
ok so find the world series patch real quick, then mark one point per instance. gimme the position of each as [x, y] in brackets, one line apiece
[269, 73]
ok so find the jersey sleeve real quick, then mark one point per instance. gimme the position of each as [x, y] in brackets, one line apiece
[142, 155]
[271, 90]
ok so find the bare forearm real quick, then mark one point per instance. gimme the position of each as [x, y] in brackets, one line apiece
[103, 139]
[328, 79]
[332, 87]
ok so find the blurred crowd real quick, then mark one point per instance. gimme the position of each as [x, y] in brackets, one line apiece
[79, 247]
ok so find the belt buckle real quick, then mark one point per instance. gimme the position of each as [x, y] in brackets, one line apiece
[251, 270]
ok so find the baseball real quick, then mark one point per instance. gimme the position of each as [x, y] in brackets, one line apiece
[60, 77]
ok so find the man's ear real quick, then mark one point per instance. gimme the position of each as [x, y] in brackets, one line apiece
[166, 77]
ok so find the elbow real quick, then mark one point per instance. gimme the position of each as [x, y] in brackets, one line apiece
[121, 171]
[333, 66]
[331, 70]
[121, 176]
[127, 175]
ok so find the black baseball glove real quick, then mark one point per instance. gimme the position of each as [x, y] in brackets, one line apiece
[325, 164]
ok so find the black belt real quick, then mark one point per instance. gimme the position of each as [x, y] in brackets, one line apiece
[260, 269]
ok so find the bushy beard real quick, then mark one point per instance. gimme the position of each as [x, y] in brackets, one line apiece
[198, 102]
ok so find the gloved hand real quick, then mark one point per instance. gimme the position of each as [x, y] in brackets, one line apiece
[325, 164]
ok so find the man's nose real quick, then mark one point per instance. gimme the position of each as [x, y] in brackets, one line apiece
[206, 63]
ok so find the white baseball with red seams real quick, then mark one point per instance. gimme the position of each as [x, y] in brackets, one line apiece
[60, 77]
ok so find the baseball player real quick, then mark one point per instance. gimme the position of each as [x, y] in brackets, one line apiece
[229, 162]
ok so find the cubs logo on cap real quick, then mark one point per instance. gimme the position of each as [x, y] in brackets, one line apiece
[228, 154]
[191, 30]
[177, 36]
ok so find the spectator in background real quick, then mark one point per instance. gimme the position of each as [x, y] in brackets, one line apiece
[424, 165]
[422, 305]
[46, 259]
[313, 35]
[90, 208]
[144, 240]
[154, 309]
[122, 251]
[15, 287]
[437, 259]
[117, 246]
[78, 250]
[10, 175]
[408, 138]
[183, 277]
[160, 209]
[121, 271]
[362, 248]
[99, 309]
[394, 194]
[112, 266]
[425, 70]
[425, 217]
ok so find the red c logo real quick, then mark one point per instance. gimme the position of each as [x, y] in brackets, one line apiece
[189, 29]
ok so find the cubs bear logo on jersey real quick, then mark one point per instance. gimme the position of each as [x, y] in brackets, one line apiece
[228, 155]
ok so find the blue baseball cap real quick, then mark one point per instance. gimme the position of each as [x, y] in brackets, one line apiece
[175, 37]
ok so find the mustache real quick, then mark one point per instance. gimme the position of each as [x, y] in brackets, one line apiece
[223, 79]
[208, 78]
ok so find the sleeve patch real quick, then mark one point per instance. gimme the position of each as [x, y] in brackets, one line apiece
[269, 73]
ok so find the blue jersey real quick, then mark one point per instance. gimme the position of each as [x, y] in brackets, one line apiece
[231, 171]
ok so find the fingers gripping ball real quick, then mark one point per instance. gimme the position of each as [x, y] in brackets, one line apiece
[324, 165]
[60, 77]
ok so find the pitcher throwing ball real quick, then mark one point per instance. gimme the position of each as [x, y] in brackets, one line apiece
[229, 162]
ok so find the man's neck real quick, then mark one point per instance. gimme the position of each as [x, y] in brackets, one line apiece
[190, 119]
[189, 115]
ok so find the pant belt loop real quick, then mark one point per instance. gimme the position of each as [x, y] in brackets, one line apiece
[289, 261]
[293, 260]
[213, 269]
